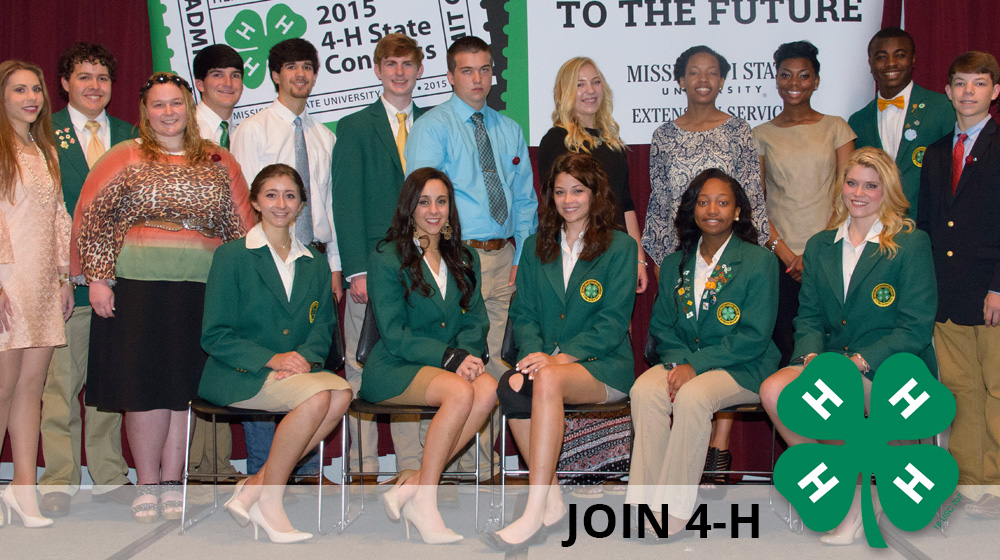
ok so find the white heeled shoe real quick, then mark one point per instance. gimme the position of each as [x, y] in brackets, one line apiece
[236, 508]
[28, 521]
[429, 537]
[257, 519]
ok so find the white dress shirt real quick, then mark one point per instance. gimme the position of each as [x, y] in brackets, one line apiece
[890, 123]
[851, 253]
[269, 137]
[702, 270]
[391, 110]
[286, 268]
[210, 125]
[79, 121]
[570, 256]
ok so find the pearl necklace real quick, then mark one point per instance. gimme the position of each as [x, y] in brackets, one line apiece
[46, 189]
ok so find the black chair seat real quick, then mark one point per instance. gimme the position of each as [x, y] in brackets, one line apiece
[365, 407]
[598, 407]
[207, 408]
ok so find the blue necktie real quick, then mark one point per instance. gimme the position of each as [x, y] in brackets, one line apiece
[494, 190]
[303, 225]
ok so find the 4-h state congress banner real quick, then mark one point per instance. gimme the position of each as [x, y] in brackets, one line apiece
[635, 42]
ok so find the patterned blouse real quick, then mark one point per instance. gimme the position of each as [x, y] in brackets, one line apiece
[123, 190]
[676, 156]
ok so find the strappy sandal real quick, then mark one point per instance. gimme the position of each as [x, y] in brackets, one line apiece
[171, 509]
[713, 484]
[139, 509]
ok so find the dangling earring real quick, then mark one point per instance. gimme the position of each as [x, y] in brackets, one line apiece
[446, 231]
[413, 230]
[737, 218]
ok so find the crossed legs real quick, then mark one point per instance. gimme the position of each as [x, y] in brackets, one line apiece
[540, 439]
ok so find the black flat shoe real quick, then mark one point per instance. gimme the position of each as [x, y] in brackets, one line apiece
[495, 542]
[559, 526]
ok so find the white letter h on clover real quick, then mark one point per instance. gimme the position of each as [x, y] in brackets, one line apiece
[821, 487]
[913, 403]
[826, 394]
[908, 487]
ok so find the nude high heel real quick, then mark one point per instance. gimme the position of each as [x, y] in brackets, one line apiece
[391, 498]
[235, 508]
[257, 519]
[429, 537]
[28, 521]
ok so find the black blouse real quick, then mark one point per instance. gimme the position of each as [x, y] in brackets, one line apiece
[613, 162]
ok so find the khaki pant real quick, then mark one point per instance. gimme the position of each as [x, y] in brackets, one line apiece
[969, 364]
[667, 461]
[61, 425]
[495, 267]
[403, 427]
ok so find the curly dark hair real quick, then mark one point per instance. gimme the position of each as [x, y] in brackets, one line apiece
[93, 53]
[798, 49]
[680, 66]
[603, 208]
[688, 232]
[454, 253]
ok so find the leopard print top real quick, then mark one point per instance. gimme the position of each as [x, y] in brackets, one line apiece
[159, 191]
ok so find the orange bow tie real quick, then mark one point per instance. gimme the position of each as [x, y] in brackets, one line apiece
[897, 101]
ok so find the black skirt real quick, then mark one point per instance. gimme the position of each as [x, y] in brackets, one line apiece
[148, 356]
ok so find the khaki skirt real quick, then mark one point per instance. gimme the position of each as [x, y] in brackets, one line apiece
[283, 395]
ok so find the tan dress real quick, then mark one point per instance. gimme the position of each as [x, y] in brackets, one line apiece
[34, 240]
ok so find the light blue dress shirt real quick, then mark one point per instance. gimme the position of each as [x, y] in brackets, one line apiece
[444, 138]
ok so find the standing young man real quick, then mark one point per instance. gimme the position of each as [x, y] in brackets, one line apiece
[368, 171]
[218, 77]
[904, 118]
[485, 156]
[83, 132]
[959, 205]
[285, 133]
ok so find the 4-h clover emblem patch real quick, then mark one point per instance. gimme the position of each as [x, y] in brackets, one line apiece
[253, 39]
[728, 313]
[826, 403]
[591, 291]
[883, 295]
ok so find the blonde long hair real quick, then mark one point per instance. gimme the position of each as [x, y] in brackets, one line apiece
[41, 131]
[891, 210]
[564, 115]
[196, 150]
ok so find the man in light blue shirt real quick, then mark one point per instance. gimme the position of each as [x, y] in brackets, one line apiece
[492, 176]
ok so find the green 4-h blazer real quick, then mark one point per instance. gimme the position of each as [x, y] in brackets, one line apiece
[929, 117]
[73, 164]
[367, 176]
[416, 332]
[588, 319]
[248, 319]
[890, 303]
[732, 330]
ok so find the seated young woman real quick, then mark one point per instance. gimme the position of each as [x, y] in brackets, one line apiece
[712, 323]
[424, 286]
[868, 244]
[575, 292]
[269, 323]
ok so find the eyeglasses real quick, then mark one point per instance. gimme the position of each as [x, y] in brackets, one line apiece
[163, 79]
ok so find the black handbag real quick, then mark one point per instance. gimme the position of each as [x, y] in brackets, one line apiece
[369, 335]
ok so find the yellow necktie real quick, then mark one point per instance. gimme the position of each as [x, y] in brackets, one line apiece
[401, 138]
[897, 101]
[95, 149]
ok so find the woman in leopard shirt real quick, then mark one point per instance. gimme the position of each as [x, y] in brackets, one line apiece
[150, 216]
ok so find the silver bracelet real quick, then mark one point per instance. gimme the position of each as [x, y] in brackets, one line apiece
[774, 244]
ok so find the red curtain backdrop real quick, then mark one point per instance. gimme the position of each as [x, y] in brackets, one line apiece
[39, 30]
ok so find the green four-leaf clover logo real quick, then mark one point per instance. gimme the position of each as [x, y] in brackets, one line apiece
[826, 403]
[253, 39]
[728, 313]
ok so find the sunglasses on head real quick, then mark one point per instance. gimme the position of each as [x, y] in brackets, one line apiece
[163, 79]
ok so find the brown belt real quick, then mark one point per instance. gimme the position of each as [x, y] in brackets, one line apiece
[488, 245]
[206, 228]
